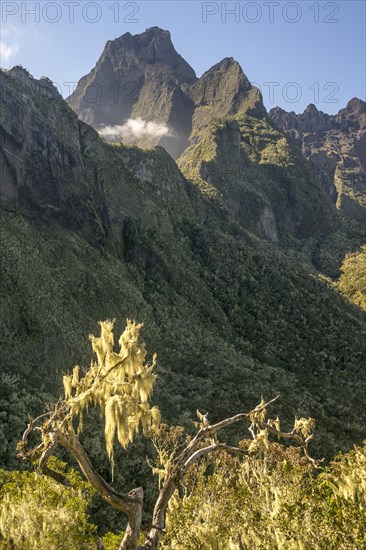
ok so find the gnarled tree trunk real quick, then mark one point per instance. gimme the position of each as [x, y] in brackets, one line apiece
[130, 504]
[204, 442]
[159, 514]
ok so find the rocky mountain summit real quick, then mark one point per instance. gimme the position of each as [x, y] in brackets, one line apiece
[335, 145]
[142, 78]
[217, 128]
[142, 92]
[139, 77]
[239, 161]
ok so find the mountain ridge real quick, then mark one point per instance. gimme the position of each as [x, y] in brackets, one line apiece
[160, 87]
[221, 259]
[112, 230]
[335, 146]
[173, 108]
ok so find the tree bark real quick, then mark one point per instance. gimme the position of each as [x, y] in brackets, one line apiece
[159, 515]
[131, 538]
[181, 463]
[130, 503]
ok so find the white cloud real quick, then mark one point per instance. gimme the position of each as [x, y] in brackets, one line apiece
[7, 51]
[10, 46]
[134, 129]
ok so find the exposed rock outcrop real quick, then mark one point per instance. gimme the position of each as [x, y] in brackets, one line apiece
[139, 77]
[217, 128]
[335, 145]
[142, 78]
[91, 230]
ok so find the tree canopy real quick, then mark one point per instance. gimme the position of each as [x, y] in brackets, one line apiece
[119, 383]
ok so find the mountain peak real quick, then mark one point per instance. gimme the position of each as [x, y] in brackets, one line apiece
[152, 33]
[153, 46]
[335, 145]
[224, 80]
[277, 111]
[143, 77]
[43, 86]
[227, 64]
[139, 77]
[311, 109]
[224, 90]
[356, 103]
[354, 109]
[354, 114]
[157, 31]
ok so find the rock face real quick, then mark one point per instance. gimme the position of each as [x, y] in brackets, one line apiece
[335, 145]
[262, 178]
[222, 91]
[139, 77]
[40, 164]
[143, 92]
[55, 166]
[218, 130]
[142, 78]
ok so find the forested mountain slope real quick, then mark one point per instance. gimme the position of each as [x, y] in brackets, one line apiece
[92, 230]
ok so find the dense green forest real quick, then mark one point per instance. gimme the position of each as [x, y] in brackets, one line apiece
[246, 288]
[272, 500]
[275, 496]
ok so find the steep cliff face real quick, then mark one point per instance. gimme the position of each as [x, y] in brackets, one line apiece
[138, 77]
[55, 167]
[44, 172]
[218, 127]
[83, 224]
[91, 231]
[335, 145]
[261, 176]
[222, 91]
[141, 91]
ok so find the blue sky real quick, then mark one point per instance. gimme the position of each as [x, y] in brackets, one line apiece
[296, 52]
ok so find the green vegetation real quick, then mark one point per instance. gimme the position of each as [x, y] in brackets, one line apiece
[119, 384]
[352, 282]
[38, 513]
[228, 302]
[261, 176]
[105, 231]
[350, 186]
[273, 499]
